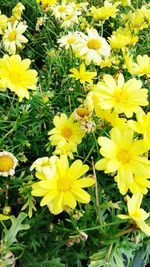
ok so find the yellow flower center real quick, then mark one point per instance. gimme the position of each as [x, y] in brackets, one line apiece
[12, 36]
[62, 9]
[70, 40]
[15, 77]
[82, 112]
[6, 163]
[119, 96]
[64, 184]
[94, 44]
[66, 132]
[123, 156]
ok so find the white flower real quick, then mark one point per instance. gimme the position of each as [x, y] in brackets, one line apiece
[68, 40]
[8, 163]
[13, 37]
[92, 47]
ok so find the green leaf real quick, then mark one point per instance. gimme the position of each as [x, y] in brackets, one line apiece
[16, 226]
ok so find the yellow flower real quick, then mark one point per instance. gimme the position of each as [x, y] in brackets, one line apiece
[135, 21]
[82, 74]
[17, 10]
[46, 3]
[16, 76]
[110, 117]
[45, 166]
[8, 163]
[66, 148]
[3, 23]
[121, 38]
[137, 214]
[122, 97]
[91, 47]
[142, 67]
[65, 188]
[123, 155]
[142, 125]
[65, 130]
[105, 12]
[139, 184]
[13, 38]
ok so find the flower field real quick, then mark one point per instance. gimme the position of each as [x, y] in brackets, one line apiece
[74, 133]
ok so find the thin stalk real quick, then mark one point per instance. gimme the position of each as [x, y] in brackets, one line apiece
[96, 195]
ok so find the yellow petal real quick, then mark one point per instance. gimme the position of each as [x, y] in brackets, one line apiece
[69, 200]
[3, 217]
[84, 182]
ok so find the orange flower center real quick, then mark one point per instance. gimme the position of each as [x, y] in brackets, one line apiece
[82, 112]
[123, 156]
[6, 163]
[94, 44]
[66, 133]
[64, 184]
[12, 36]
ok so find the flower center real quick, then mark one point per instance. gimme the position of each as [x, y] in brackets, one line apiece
[119, 96]
[82, 112]
[6, 163]
[70, 40]
[12, 36]
[62, 9]
[123, 156]
[94, 44]
[66, 133]
[64, 184]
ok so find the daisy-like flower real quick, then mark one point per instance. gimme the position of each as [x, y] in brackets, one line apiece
[3, 23]
[123, 97]
[18, 10]
[63, 10]
[121, 38]
[16, 75]
[68, 40]
[92, 47]
[46, 3]
[13, 38]
[45, 166]
[142, 125]
[66, 148]
[142, 67]
[65, 188]
[8, 163]
[137, 214]
[65, 130]
[82, 74]
[123, 155]
[105, 12]
[139, 184]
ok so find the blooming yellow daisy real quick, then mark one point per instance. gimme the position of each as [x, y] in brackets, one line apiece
[142, 125]
[121, 38]
[16, 75]
[104, 12]
[65, 188]
[66, 148]
[8, 163]
[65, 130]
[123, 155]
[137, 214]
[142, 67]
[123, 97]
[92, 47]
[13, 38]
[82, 74]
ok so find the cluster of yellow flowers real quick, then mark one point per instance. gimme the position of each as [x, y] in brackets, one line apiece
[115, 99]
[14, 72]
